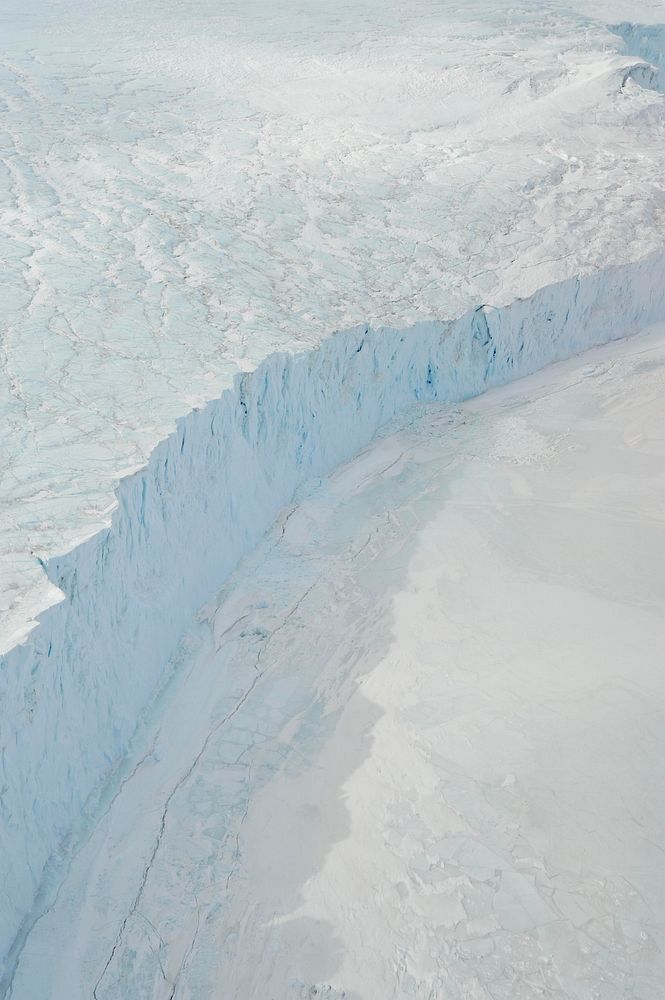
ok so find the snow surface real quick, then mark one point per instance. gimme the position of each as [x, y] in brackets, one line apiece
[415, 748]
[188, 189]
[72, 695]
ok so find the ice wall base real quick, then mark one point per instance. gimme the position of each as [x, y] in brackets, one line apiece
[72, 694]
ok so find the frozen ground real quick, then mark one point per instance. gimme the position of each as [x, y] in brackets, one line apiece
[416, 748]
[188, 187]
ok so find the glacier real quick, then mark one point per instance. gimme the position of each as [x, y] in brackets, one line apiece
[414, 745]
[208, 493]
[187, 191]
[193, 200]
[648, 42]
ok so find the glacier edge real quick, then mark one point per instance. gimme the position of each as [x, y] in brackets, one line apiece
[73, 691]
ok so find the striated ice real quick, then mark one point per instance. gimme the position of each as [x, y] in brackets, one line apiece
[186, 190]
[414, 747]
[194, 198]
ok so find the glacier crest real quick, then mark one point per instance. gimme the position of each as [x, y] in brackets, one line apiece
[73, 692]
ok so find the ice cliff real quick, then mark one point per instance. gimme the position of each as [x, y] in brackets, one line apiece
[647, 41]
[73, 692]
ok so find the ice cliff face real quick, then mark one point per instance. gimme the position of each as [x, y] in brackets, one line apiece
[647, 41]
[73, 692]
[186, 189]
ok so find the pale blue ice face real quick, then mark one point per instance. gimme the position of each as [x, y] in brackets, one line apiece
[647, 41]
[188, 190]
[413, 748]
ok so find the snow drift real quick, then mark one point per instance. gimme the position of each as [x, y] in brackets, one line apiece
[73, 692]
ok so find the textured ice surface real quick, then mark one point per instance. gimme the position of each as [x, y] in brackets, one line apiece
[72, 693]
[187, 189]
[648, 42]
[415, 749]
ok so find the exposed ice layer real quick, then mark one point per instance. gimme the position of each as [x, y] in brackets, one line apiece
[73, 692]
[647, 41]
[186, 188]
[414, 748]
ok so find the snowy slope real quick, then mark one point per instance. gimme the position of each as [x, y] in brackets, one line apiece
[415, 747]
[189, 189]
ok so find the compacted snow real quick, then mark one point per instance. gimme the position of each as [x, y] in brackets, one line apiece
[415, 748]
[194, 198]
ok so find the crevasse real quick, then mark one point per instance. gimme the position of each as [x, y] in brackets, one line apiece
[71, 695]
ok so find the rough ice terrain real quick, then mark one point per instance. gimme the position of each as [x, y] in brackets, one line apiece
[188, 188]
[194, 198]
[415, 748]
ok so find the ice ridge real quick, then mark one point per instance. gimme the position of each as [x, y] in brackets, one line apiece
[74, 690]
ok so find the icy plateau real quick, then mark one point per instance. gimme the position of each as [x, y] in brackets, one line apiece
[236, 240]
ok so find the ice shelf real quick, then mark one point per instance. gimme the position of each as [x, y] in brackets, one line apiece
[73, 692]
[193, 200]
